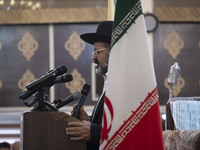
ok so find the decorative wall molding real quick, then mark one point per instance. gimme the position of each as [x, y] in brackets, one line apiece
[91, 14]
[27, 46]
[177, 14]
[173, 44]
[67, 15]
[74, 45]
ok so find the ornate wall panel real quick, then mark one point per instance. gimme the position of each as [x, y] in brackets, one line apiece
[177, 14]
[24, 57]
[71, 51]
[62, 15]
[177, 42]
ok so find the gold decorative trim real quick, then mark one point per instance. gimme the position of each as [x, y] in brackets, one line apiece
[77, 83]
[91, 14]
[75, 45]
[28, 46]
[173, 44]
[177, 14]
[27, 78]
[1, 84]
[26, 16]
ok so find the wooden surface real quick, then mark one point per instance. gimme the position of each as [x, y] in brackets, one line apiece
[46, 131]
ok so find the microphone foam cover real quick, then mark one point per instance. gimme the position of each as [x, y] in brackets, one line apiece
[76, 95]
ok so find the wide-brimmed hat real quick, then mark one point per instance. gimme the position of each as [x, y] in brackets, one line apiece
[103, 33]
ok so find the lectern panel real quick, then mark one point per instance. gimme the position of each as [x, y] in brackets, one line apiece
[46, 131]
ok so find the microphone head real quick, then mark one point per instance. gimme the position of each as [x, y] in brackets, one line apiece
[66, 78]
[61, 70]
[174, 74]
[76, 95]
[61, 79]
[86, 89]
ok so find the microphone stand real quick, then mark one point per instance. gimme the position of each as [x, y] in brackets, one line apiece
[172, 81]
[46, 94]
[41, 97]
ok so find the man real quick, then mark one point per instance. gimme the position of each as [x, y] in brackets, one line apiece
[90, 128]
[4, 146]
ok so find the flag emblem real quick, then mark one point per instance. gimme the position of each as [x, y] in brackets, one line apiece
[107, 122]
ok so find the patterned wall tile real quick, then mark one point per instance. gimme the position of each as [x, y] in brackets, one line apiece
[177, 42]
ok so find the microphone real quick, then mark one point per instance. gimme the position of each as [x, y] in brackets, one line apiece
[85, 91]
[61, 79]
[76, 95]
[174, 74]
[46, 78]
[173, 78]
[29, 102]
[27, 93]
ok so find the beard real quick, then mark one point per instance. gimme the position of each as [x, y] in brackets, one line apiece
[101, 70]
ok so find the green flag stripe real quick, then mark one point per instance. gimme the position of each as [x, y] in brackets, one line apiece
[125, 17]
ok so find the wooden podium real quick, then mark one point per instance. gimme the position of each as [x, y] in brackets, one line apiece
[46, 131]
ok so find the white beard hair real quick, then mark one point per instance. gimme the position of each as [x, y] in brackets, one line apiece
[102, 71]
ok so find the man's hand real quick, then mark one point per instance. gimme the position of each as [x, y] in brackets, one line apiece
[79, 130]
[83, 115]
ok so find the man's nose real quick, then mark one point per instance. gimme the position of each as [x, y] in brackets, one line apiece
[94, 56]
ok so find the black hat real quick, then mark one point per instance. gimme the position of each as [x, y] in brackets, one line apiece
[103, 33]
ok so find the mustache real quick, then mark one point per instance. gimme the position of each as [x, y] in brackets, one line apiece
[96, 61]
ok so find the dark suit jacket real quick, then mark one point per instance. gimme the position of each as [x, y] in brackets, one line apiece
[95, 129]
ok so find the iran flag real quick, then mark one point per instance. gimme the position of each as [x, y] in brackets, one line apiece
[131, 118]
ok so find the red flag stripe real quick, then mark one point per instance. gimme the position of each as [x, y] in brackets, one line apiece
[133, 120]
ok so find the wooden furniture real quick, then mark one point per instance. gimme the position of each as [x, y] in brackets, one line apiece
[46, 131]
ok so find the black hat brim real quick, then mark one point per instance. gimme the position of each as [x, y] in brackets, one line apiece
[91, 38]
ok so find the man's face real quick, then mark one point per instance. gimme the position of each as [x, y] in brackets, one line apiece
[101, 57]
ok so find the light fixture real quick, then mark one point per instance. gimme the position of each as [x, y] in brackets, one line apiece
[30, 3]
[1, 2]
[12, 2]
[22, 2]
[37, 5]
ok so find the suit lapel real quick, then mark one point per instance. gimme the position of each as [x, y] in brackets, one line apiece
[98, 107]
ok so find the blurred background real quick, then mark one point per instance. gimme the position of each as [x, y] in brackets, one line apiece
[40, 35]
